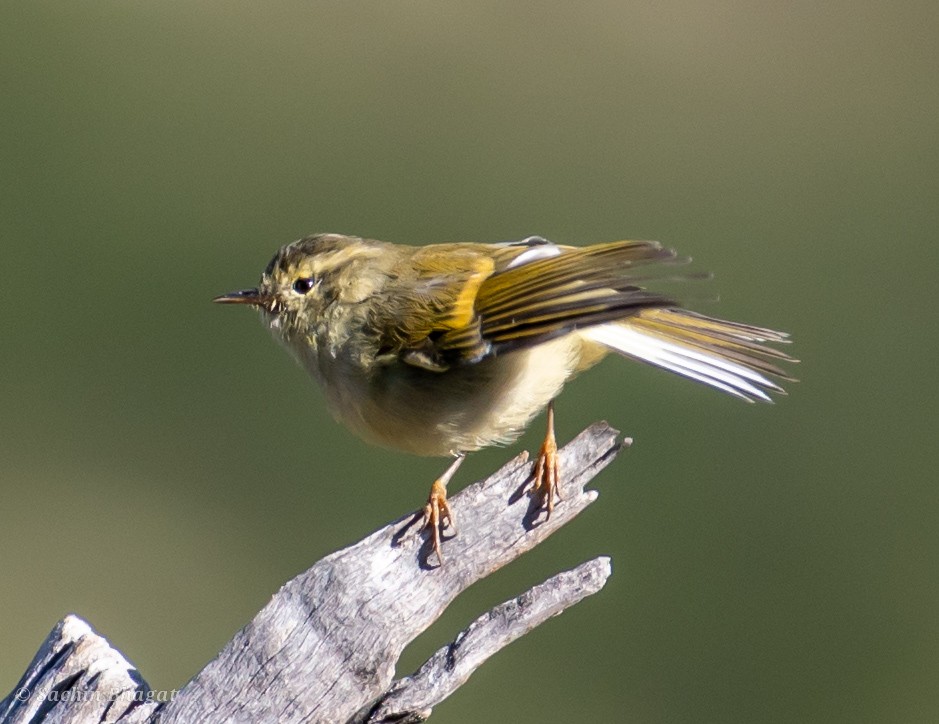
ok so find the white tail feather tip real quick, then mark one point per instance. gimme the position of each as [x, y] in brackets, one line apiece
[686, 360]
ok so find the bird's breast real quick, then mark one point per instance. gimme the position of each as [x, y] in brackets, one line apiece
[461, 409]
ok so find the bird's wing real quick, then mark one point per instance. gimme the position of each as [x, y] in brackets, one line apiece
[538, 297]
[469, 301]
[430, 295]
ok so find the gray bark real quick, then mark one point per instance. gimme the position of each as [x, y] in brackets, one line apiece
[325, 647]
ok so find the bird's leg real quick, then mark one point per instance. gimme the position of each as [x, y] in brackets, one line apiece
[547, 470]
[437, 509]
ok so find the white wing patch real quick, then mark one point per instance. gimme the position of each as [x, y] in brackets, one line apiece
[542, 251]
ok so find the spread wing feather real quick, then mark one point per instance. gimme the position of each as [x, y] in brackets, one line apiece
[476, 300]
[466, 302]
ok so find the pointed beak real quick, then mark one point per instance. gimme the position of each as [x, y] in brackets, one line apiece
[245, 296]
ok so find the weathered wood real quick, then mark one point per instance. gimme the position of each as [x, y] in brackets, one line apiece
[325, 647]
[412, 698]
[76, 677]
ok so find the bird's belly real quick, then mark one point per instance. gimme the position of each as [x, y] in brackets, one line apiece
[462, 409]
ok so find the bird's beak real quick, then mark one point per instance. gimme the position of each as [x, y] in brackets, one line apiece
[245, 296]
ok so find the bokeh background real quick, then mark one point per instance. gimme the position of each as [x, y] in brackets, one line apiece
[164, 467]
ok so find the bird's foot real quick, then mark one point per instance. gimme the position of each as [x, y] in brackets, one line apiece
[437, 512]
[547, 473]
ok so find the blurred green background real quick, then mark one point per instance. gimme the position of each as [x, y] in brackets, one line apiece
[165, 467]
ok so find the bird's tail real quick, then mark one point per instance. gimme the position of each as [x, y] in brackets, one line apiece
[732, 357]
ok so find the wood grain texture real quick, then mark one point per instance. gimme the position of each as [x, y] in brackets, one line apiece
[325, 647]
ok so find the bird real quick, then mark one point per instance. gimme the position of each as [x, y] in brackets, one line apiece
[444, 349]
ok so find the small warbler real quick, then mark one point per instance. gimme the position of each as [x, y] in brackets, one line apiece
[448, 348]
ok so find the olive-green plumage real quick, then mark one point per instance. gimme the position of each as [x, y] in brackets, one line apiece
[452, 347]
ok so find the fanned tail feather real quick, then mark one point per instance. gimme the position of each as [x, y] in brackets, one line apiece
[731, 357]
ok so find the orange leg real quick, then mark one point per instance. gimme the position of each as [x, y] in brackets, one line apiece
[547, 469]
[437, 511]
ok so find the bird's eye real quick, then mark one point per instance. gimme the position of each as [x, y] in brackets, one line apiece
[304, 285]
